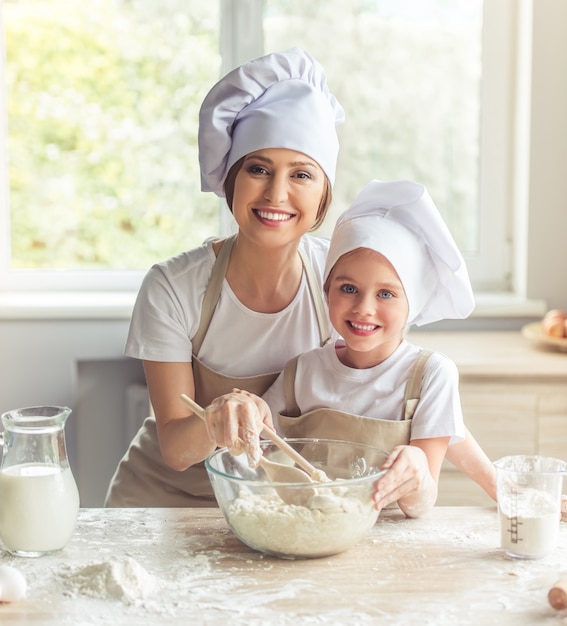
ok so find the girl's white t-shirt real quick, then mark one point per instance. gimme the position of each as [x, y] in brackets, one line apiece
[239, 342]
[322, 381]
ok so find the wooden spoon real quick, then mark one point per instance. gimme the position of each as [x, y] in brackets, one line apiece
[277, 472]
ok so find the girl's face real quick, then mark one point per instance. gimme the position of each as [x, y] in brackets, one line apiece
[367, 306]
[277, 194]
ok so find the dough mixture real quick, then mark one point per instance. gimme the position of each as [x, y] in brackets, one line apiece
[327, 524]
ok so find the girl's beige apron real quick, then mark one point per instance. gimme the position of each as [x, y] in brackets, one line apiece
[333, 424]
[142, 478]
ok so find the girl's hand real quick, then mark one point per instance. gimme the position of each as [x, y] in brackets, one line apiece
[235, 421]
[408, 481]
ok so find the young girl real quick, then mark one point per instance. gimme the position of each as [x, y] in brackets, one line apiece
[233, 312]
[392, 262]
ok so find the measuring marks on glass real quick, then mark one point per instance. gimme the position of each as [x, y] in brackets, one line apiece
[515, 523]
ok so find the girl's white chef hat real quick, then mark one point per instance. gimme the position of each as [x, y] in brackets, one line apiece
[399, 220]
[277, 101]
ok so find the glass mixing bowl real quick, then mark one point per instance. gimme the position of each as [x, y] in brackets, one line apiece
[299, 520]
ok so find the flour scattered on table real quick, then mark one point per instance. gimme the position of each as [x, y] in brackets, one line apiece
[119, 579]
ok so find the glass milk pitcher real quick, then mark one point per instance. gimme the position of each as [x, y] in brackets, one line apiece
[39, 499]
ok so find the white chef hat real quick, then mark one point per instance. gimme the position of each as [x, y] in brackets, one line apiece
[277, 101]
[399, 220]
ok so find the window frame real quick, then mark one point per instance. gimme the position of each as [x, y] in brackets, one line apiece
[241, 39]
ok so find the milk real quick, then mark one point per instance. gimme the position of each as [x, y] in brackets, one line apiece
[536, 536]
[529, 523]
[39, 504]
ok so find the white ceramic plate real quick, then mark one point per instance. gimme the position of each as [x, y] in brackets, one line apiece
[534, 332]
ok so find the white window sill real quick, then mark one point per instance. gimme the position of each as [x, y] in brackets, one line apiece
[118, 305]
[507, 305]
[66, 305]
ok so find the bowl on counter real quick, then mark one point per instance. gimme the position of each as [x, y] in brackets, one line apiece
[535, 333]
[299, 520]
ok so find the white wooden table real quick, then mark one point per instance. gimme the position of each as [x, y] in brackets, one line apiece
[445, 568]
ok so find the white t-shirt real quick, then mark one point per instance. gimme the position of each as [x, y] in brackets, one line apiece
[239, 342]
[322, 381]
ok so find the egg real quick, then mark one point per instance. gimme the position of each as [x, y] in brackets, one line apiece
[13, 585]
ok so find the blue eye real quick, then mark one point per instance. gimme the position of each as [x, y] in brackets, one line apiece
[348, 289]
[384, 293]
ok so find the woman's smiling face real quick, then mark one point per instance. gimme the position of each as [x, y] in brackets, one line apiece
[277, 194]
[368, 307]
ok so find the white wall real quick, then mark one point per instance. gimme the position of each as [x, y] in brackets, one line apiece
[547, 224]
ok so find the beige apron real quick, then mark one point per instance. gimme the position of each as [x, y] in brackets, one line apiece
[142, 479]
[335, 424]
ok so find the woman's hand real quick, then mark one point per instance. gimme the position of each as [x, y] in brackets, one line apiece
[235, 420]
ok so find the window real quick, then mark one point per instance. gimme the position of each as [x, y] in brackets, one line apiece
[102, 100]
[100, 163]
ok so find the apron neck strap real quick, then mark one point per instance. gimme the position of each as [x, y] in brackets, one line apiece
[413, 386]
[213, 292]
[317, 297]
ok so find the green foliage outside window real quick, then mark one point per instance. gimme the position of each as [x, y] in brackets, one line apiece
[103, 99]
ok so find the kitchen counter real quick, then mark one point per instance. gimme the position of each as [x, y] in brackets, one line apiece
[488, 355]
[184, 566]
[514, 399]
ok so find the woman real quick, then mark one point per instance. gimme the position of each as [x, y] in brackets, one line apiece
[231, 313]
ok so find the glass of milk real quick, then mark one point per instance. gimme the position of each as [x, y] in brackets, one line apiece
[39, 499]
[528, 490]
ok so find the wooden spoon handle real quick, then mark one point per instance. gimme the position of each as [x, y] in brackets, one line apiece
[273, 437]
[293, 454]
[198, 410]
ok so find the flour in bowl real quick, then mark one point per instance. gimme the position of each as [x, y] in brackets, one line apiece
[326, 525]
